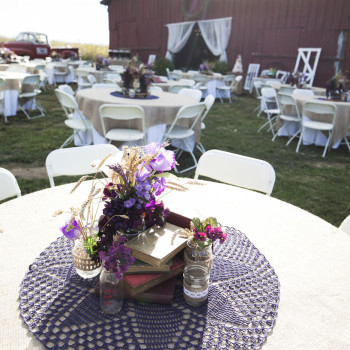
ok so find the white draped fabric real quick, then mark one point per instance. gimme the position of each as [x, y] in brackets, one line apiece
[216, 34]
[179, 33]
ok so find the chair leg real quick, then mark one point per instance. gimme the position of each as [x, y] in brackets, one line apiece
[293, 137]
[345, 139]
[201, 147]
[68, 141]
[193, 157]
[328, 144]
[300, 139]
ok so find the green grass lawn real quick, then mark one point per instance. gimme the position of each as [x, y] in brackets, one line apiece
[305, 179]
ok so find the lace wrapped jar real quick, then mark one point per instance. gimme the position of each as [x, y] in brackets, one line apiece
[200, 255]
[196, 284]
[84, 265]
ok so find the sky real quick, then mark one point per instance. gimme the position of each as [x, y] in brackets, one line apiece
[79, 21]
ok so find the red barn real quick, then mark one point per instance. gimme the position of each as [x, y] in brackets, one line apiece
[268, 32]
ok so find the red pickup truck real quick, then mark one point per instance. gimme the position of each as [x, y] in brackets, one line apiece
[36, 45]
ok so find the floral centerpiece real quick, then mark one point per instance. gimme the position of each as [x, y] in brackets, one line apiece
[6, 53]
[297, 78]
[128, 190]
[336, 86]
[205, 67]
[101, 62]
[201, 236]
[137, 76]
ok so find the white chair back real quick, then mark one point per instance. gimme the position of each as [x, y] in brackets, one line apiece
[345, 225]
[66, 88]
[155, 89]
[176, 88]
[287, 90]
[123, 113]
[8, 185]
[195, 93]
[237, 170]
[76, 160]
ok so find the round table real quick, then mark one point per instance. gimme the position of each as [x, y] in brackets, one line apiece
[341, 127]
[158, 111]
[310, 256]
[13, 85]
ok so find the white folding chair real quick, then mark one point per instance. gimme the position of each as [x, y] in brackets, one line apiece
[289, 115]
[345, 225]
[209, 102]
[174, 76]
[225, 90]
[179, 132]
[287, 90]
[76, 160]
[8, 185]
[282, 75]
[202, 79]
[60, 73]
[151, 59]
[176, 88]
[82, 79]
[237, 170]
[75, 120]
[110, 77]
[27, 96]
[2, 98]
[195, 93]
[321, 109]
[123, 113]
[270, 108]
[66, 88]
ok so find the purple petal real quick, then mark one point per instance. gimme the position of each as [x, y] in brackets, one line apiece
[72, 234]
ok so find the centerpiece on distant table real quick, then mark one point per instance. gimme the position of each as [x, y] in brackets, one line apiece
[336, 88]
[102, 63]
[205, 68]
[136, 78]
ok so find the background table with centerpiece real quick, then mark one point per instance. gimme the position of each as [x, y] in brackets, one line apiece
[159, 111]
[310, 256]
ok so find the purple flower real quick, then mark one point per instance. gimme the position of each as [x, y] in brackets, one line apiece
[143, 172]
[152, 147]
[74, 233]
[129, 203]
[165, 161]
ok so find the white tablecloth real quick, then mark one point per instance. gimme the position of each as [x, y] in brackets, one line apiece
[310, 256]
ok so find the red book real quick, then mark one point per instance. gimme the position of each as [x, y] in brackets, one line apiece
[162, 293]
[136, 284]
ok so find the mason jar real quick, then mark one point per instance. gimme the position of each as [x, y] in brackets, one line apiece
[195, 284]
[195, 254]
[111, 292]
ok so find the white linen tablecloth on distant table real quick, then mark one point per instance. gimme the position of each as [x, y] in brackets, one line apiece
[158, 112]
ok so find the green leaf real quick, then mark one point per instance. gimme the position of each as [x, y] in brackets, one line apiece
[197, 224]
[210, 221]
[167, 175]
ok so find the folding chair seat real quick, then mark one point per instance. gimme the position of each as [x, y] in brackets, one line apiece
[287, 90]
[289, 115]
[322, 109]
[209, 102]
[75, 120]
[126, 114]
[189, 82]
[176, 131]
[76, 160]
[27, 96]
[8, 185]
[270, 108]
[237, 170]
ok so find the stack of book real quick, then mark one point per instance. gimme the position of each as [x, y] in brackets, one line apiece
[158, 261]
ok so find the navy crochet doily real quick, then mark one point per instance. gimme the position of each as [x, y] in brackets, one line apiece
[150, 97]
[62, 311]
